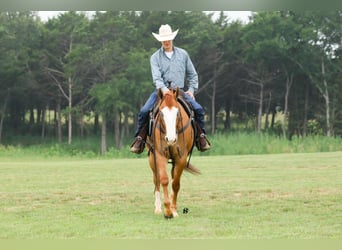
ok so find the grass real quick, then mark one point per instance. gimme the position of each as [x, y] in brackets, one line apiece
[237, 143]
[278, 196]
[240, 143]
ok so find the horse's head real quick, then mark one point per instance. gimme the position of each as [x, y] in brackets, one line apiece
[169, 113]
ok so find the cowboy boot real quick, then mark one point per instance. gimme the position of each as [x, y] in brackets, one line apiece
[202, 143]
[138, 144]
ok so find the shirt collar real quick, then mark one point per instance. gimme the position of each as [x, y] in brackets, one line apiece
[162, 49]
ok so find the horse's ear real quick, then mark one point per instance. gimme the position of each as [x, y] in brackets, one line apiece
[177, 92]
[160, 93]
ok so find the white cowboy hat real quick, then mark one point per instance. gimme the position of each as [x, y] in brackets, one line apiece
[165, 33]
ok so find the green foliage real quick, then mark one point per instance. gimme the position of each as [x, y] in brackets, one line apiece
[252, 143]
[244, 69]
[238, 143]
[103, 96]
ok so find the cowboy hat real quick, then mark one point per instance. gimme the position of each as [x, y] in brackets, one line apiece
[165, 33]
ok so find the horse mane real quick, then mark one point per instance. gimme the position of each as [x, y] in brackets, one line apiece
[169, 99]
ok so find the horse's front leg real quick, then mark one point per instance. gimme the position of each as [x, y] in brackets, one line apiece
[157, 202]
[175, 188]
[160, 177]
[157, 199]
[164, 181]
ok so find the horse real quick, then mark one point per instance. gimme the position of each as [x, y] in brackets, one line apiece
[171, 140]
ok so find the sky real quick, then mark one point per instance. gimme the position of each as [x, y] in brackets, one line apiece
[232, 15]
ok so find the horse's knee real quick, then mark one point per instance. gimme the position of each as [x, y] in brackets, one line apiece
[176, 182]
[164, 180]
[175, 186]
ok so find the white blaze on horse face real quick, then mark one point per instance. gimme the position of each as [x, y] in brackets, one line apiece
[170, 118]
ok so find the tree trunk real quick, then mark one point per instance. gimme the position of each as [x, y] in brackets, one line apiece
[104, 135]
[3, 113]
[121, 131]
[327, 100]
[261, 100]
[267, 112]
[333, 113]
[59, 120]
[306, 110]
[81, 123]
[70, 112]
[274, 112]
[289, 81]
[227, 123]
[117, 129]
[39, 114]
[213, 112]
[96, 123]
[125, 130]
[31, 119]
[43, 123]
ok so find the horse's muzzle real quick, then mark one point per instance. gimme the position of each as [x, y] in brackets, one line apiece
[170, 141]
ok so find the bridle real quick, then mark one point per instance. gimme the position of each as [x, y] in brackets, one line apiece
[180, 126]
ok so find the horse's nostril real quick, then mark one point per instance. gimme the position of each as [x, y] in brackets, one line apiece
[169, 141]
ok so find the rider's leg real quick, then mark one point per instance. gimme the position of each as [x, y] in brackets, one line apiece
[141, 132]
[202, 142]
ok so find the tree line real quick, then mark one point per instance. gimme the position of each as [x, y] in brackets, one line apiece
[59, 76]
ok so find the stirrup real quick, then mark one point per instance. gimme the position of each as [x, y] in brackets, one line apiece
[202, 143]
[138, 145]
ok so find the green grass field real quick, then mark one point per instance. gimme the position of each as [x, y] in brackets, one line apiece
[277, 196]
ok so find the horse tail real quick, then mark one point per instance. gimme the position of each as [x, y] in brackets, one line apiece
[192, 169]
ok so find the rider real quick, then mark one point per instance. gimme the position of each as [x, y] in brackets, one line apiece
[170, 65]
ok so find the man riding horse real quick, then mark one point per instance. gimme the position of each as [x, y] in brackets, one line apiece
[170, 65]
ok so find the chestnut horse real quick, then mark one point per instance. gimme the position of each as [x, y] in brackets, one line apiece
[171, 141]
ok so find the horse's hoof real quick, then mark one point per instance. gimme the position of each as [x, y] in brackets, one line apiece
[168, 217]
[174, 214]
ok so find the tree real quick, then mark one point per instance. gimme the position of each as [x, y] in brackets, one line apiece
[20, 39]
[94, 67]
[325, 40]
[261, 57]
[120, 68]
[64, 51]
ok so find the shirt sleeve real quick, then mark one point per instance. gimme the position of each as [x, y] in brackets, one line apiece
[191, 75]
[156, 73]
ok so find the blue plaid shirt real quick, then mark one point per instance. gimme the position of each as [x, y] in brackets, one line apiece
[177, 70]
